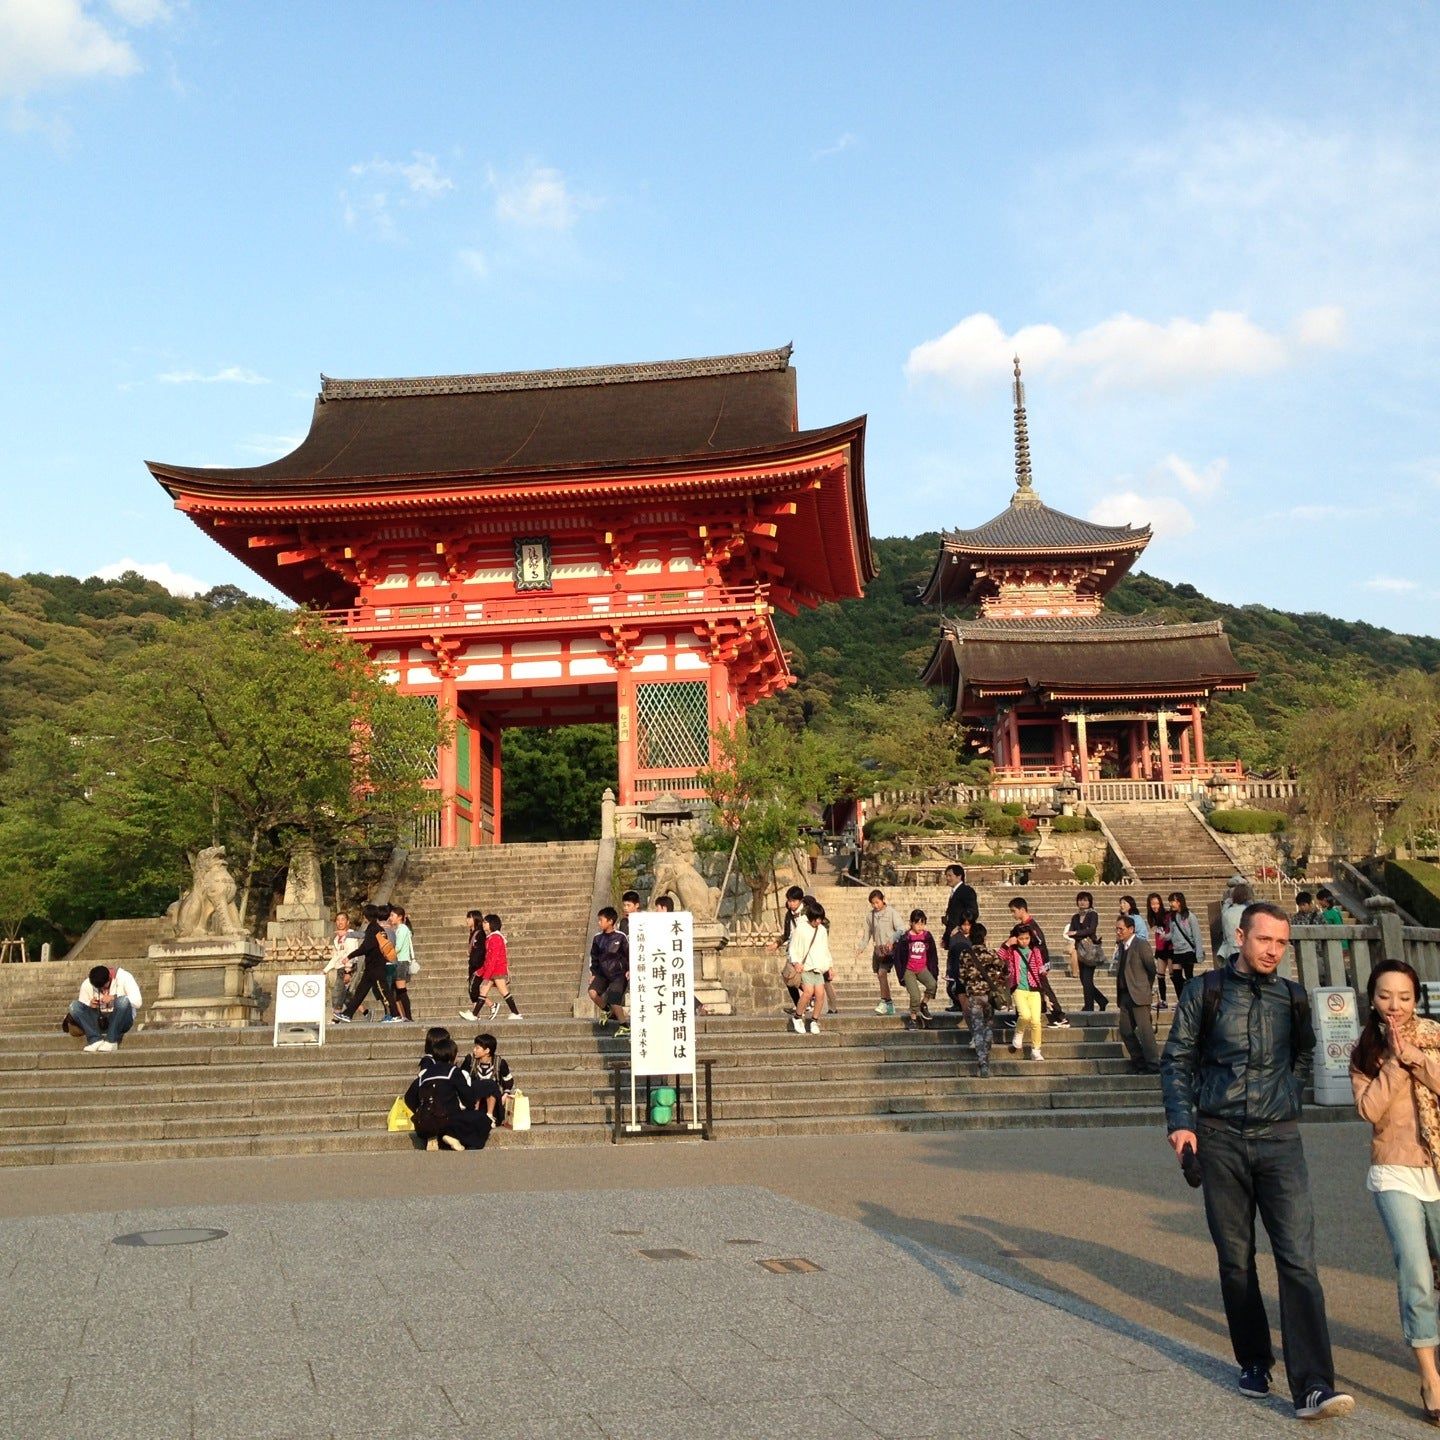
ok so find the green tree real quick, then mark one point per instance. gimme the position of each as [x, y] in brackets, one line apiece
[902, 740]
[765, 787]
[1368, 760]
[251, 730]
[554, 780]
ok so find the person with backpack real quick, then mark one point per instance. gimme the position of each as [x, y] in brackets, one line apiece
[983, 985]
[1023, 959]
[1233, 1071]
[442, 1099]
[375, 952]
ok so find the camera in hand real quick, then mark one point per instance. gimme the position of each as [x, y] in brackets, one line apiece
[1191, 1168]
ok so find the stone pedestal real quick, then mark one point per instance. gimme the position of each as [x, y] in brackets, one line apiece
[710, 939]
[205, 983]
[301, 926]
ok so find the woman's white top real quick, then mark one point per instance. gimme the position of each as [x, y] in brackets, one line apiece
[1417, 1180]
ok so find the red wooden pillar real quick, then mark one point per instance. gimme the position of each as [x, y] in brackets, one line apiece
[496, 771]
[1195, 720]
[1185, 749]
[718, 699]
[1082, 748]
[625, 730]
[447, 766]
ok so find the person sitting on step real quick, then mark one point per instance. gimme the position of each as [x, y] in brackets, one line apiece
[491, 1080]
[106, 1007]
[610, 970]
[442, 1098]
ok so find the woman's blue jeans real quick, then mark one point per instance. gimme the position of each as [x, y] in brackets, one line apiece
[1414, 1230]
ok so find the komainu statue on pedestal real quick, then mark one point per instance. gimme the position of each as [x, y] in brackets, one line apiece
[207, 908]
[676, 874]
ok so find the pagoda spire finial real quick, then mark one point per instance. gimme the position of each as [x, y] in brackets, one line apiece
[1024, 497]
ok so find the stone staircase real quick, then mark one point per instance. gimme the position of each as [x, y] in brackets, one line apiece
[542, 895]
[179, 1094]
[1166, 844]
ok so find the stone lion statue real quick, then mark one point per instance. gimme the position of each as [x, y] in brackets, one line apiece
[207, 908]
[676, 874]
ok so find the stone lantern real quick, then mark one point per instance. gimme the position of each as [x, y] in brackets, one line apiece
[1066, 796]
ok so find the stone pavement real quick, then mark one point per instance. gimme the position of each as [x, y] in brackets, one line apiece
[538, 1313]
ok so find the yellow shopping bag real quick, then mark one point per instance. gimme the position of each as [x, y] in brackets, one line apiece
[401, 1115]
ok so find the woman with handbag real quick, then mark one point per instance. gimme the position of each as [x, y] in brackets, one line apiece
[1157, 919]
[1187, 944]
[1395, 1076]
[1083, 932]
[810, 949]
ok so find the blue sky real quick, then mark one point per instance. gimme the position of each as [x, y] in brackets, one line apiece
[1209, 230]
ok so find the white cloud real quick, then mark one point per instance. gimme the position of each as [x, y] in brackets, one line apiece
[1312, 513]
[1392, 584]
[474, 262]
[46, 42]
[1122, 352]
[1166, 516]
[1207, 480]
[420, 175]
[140, 12]
[843, 142]
[538, 198]
[230, 375]
[382, 187]
[1323, 327]
[176, 582]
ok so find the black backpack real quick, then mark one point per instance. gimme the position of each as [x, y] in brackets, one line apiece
[1301, 1026]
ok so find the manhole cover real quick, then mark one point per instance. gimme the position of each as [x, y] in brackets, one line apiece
[171, 1237]
[742, 1242]
[627, 1232]
[668, 1254]
[795, 1266]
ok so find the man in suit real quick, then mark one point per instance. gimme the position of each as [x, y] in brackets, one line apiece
[963, 904]
[1134, 981]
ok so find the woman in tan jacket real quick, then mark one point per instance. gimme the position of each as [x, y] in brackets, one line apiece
[1395, 1074]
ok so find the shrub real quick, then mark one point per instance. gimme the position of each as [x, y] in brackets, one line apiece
[883, 828]
[1004, 826]
[1026, 825]
[1012, 807]
[1074, 824]
[1415, 886]
[1247, 822]
[1085, 874]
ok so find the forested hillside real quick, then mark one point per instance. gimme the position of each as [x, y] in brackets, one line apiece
[883, 641]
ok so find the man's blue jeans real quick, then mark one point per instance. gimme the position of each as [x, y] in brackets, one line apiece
[1414, 1230]
[1242, 1176]
[99, 1026]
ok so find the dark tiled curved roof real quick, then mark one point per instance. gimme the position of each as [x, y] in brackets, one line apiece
[375, 431]
[1094, 655]
[1038, 527]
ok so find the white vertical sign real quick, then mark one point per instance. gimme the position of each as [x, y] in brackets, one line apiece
[1337, 1028]
[662, 993]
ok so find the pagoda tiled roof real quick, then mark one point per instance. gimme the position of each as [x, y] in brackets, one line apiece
[488, 428]
[1085, 657]
[1020, 529]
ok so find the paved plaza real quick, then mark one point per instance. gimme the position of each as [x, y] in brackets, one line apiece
[511, 1295]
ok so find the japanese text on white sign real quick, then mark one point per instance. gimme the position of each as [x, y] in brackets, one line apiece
[662, 993]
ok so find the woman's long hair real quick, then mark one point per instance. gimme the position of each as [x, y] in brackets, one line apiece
[1155, 912]
[1128, 905]
[1374, 1039]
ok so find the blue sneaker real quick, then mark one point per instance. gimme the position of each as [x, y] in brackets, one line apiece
[1323, 1403]
[1255, 1381]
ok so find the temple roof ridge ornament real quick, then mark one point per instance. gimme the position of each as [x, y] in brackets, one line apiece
[749, 363]
[1024, 497]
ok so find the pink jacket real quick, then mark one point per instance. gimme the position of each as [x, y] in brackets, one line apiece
[1010, 954]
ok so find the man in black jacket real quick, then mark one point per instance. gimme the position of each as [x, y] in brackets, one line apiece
[1233, 1071]
[371, 956]
[963, 904]
[1134, 983]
